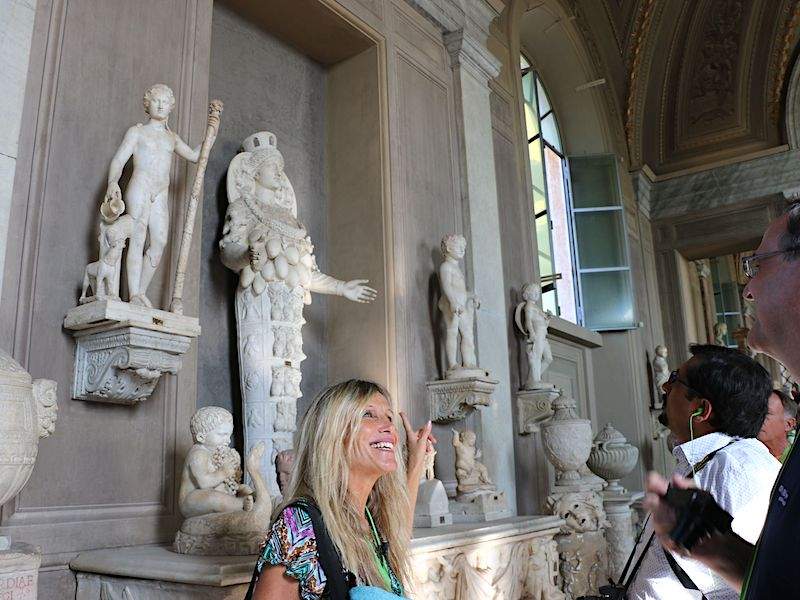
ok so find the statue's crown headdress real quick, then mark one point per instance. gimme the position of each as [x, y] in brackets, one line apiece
[260, 141]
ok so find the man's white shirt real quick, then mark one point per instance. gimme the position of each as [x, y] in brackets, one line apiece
[740, 478]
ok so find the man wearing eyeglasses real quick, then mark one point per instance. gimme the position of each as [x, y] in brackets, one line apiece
[714, 405]
[768, 569]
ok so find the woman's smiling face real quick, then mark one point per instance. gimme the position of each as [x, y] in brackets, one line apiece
[375, 441]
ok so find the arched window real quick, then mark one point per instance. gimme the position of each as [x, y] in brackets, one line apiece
[550, 183]
[584, 263]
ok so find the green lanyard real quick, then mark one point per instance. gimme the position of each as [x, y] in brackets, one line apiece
[380, 559]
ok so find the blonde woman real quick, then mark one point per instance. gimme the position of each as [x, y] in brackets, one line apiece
[350, 465]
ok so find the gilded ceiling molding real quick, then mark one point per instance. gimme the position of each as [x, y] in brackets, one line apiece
[789, 40]
[641, 30]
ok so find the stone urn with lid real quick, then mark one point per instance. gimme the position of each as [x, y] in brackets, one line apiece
[567, 440]
[612, 457]
[28, 410]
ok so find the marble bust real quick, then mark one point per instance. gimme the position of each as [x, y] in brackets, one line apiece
[151, 146]
[458, 306]
[532, 322]
[222, 515]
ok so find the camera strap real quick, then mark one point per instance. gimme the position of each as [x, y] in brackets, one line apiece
[682, 575]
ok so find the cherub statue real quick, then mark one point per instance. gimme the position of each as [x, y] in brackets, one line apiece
[458, 305]
[222, 516]
[660, 375]
[151, 146]
[429, 464]
[212, 474]
[532, 321]
[720, 333]
[102, 276]
[472, 475]
[284, 463]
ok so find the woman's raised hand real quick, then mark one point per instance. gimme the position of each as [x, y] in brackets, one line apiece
[420, 442]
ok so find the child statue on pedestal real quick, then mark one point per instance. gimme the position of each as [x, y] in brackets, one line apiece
[458, 305]
[221, 514]
[532, 321]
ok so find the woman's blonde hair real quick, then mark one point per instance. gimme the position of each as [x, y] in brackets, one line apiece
[321, 470]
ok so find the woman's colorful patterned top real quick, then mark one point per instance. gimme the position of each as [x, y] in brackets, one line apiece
[291, 543]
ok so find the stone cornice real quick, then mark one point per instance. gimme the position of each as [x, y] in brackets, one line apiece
[726, 185]
[465, 50]
[465, 28]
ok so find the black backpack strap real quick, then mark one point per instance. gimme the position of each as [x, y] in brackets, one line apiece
[337, 584]
[682, 575]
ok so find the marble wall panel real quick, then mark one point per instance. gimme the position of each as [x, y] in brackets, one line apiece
[106, 477]
[425, 206]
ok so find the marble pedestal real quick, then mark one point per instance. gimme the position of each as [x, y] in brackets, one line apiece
[123, 349]
[156, 573]
[19, 569]
[582, 546]
[432, 508]
[620, 532]
[453, 399]
[476, 507]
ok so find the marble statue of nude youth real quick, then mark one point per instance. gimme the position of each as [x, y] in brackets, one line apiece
[211, 478]
[458, 306]
[151, 146]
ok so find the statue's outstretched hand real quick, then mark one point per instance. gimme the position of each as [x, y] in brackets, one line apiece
[357, 291]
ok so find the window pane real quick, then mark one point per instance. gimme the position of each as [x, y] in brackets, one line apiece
[539, 202]
[594, 181]
[544, 101]
[527, 89]
[562, 249]
[550, 131]
[523, 62]
[543, 242]
[601, 239]
[549, 301]
[537, 169]
[531, 121]
[607, 300]
[734, 322]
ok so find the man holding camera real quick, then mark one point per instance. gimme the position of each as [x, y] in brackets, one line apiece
[766, 570]
[714, 406]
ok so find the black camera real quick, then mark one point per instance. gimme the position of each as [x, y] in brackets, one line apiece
[697, 515]
[607, 592]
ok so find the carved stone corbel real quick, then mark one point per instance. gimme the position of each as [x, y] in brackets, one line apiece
[123, 350]
[533, 407]
[453, 399]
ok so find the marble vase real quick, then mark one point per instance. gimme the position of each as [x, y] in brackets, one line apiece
[612, 457]
[28, 411]
[567, 440]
